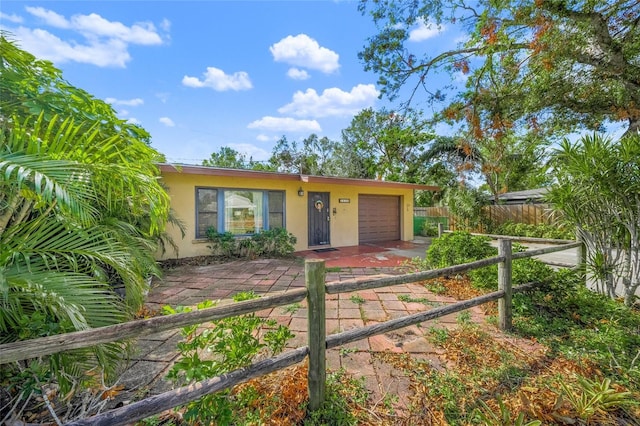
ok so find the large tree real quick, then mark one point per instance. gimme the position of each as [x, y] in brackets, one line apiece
[313, 156]
[508, 163]
[540, 65]
[386, 143]
[228, 158]
[81, 209]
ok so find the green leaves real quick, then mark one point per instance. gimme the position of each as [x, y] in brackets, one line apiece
[227, 345]
[457, 248]
[81, 212]
[598, 190]
[592, 397]
[546, 67]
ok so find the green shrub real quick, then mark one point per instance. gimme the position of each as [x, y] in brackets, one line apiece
[457, 248]
[273, 242]
[231, 343]
[577, 322]
[523, 271]
[222, 244]
[429, 229]
[536, 231]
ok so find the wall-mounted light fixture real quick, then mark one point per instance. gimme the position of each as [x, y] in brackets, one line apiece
[300, 192]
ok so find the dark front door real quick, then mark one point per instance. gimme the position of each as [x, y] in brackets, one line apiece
[319, 218]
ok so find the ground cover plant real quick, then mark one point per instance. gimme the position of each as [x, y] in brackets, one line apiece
[276, 242]
[590, 349]
[227, 345]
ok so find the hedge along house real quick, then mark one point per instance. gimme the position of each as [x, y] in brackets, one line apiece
[320, 211]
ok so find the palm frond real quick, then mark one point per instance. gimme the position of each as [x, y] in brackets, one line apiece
[29, 174]
[66, 301]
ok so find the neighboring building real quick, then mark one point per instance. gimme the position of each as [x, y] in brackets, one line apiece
[529, 196]
[320, 211]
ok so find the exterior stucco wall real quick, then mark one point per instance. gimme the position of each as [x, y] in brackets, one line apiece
[343, 224]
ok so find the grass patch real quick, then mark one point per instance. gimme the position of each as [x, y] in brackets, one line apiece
[292, 308]
[357, 299]
[409, 299]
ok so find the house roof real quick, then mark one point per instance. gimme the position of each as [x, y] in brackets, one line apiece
[529, 194]
[256, 174]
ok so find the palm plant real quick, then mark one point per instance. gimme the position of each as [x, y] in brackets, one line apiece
[80, 206]
[598, 189]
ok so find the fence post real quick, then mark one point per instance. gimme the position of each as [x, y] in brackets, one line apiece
[440, 229]
[504, 283]
[314, 273]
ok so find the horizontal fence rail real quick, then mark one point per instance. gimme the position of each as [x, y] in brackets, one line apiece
[176, 397]
[545, 250]
[25, 349]
[356, 334]
[523, 239]
[348, 286]
[315, 293]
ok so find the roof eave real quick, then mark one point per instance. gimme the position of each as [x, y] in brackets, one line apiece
[242, 173]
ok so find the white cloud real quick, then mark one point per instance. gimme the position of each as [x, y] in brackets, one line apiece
[297, 74]
[123, 112]
[167, 121]
[140, 33]
[165, 25]
[266, 138]
[303, 51]
[285, 124]
[11, 18]
[332, 102]
[95, 25]
[424, 31]
[216, 79]
[102, 42]
[45, 45]
[127, 102]
[49, 17]
[134, 120]
[251, 151]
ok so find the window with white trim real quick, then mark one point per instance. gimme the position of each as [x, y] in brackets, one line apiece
[239, 211]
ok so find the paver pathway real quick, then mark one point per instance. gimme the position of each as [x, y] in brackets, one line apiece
[189, 285]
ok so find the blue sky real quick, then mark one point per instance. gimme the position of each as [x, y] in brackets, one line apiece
[199, 75]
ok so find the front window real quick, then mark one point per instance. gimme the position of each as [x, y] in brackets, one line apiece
[243, 212]
[238, 211]
[206, 211]
[276, 209]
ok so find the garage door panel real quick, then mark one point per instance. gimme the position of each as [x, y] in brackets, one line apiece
[378, 218]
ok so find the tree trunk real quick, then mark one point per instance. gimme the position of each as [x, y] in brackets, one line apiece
[634, 126]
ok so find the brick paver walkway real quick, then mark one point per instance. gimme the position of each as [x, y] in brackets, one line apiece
[192, 284]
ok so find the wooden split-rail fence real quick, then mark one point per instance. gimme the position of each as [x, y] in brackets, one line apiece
[318, 342]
